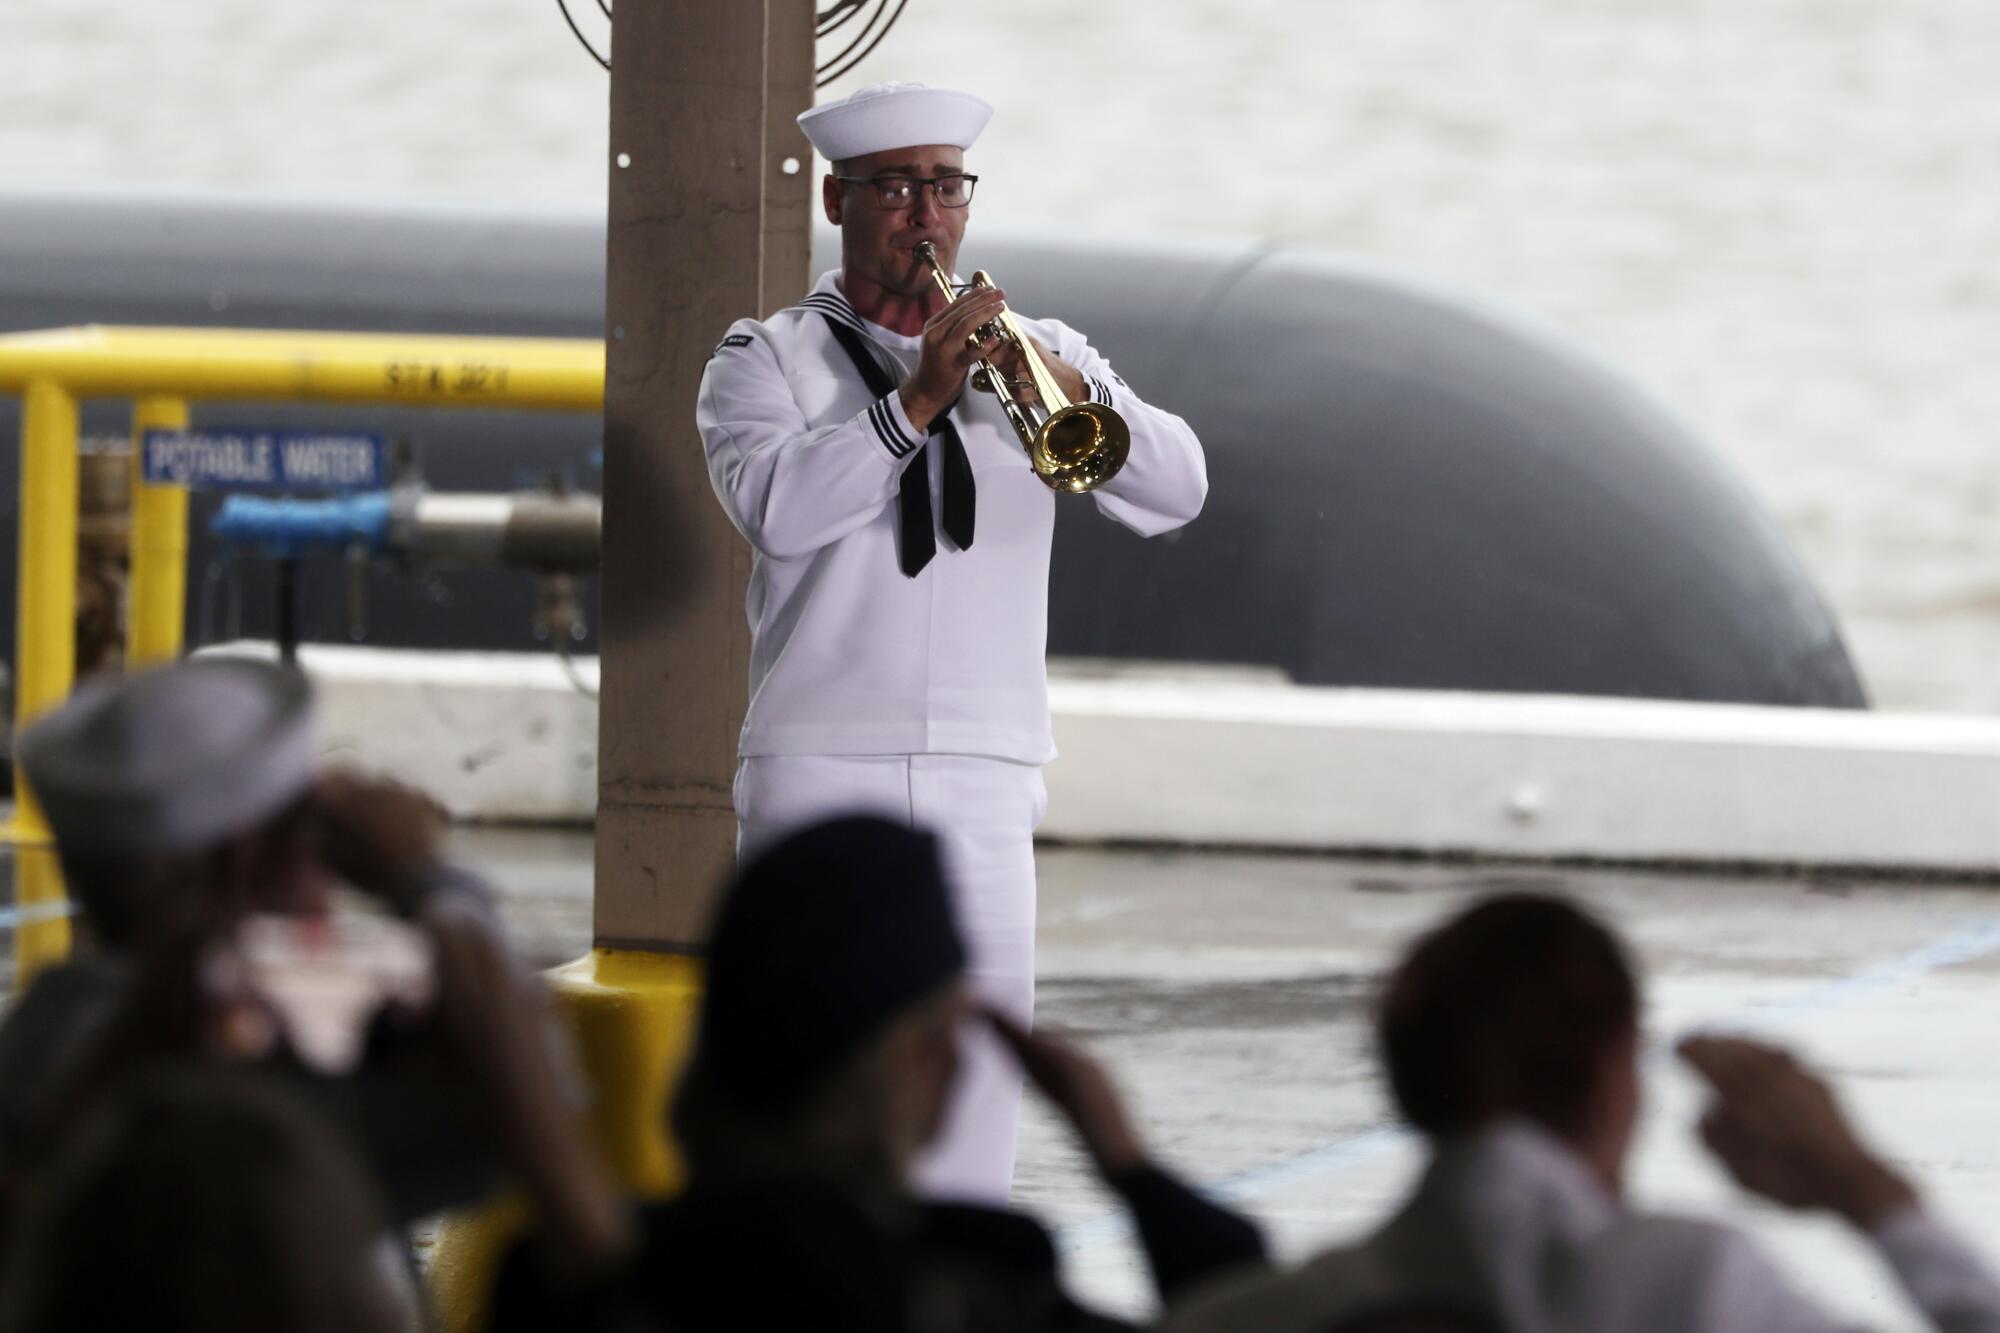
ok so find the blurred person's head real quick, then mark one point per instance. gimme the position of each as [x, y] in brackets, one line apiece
[203, 1202]
[180, 795]
[1523, 1007]
[827, 1041]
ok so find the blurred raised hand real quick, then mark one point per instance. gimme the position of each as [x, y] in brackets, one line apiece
[1781, 1133]
[1080, 1088]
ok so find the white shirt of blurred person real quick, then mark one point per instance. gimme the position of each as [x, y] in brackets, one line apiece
[895, 668]
[1510, 1037]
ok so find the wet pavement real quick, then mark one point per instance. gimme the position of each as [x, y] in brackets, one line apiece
[1230, 994]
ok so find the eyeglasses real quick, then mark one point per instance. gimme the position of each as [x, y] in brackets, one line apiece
[893, 192]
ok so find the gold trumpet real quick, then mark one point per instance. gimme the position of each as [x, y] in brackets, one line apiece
[1073, 447]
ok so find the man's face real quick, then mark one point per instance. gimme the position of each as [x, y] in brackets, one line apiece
[880, 243]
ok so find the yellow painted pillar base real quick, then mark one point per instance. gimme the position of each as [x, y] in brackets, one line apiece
[631, 1014]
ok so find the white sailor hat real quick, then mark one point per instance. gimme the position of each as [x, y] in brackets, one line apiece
[171, 759]
[894, 115]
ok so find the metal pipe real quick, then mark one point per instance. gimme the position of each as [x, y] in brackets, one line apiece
[555, 537]
[450, 529]
[45, 648]
[531, 530]
[553, 534]
[288, 610]
[159, 544]
[554, 373]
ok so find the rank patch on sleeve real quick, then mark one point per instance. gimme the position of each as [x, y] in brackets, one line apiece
[734, 340]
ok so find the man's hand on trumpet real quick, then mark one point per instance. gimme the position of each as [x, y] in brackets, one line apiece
[950, 348]
[1014, 366]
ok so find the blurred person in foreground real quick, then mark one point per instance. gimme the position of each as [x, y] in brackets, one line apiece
[1511, 1040]
[205, 1202]
[824, 1060]
[193, 831]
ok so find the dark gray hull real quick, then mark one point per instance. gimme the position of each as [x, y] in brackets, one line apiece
[1411, 486]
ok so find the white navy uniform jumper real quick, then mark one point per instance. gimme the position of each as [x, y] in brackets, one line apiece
[925, 697]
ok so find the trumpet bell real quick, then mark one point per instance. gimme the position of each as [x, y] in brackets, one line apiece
[1077, 447]
[1080, 447]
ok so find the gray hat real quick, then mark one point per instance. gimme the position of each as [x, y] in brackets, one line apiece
[171, 759]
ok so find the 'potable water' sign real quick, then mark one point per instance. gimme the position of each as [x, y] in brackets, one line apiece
[244, 460]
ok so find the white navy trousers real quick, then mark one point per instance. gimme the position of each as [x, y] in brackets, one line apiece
[984, 812]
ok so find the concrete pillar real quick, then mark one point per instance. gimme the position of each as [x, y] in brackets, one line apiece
[791, 190]
[706, 226]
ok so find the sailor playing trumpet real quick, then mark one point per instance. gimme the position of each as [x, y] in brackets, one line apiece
[898, 596]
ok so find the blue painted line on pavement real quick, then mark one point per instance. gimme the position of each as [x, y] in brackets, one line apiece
[1966, 945]
[1961, 946]
[1332, 1157]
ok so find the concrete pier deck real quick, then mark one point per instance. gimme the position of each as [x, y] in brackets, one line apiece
[1230, 995]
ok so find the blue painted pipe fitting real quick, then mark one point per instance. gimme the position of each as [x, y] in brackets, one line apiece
[283, 528]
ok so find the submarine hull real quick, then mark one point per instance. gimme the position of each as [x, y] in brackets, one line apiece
[1411, 485]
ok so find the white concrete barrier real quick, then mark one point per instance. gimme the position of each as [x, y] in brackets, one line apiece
[1197, 759]
[1514, 775]
[494, 736]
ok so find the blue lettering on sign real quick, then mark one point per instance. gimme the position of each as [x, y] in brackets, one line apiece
[242, 460]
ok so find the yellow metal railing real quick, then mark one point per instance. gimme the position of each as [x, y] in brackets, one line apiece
[162, 371]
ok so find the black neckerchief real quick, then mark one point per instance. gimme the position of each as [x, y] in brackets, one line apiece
[917, 544]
